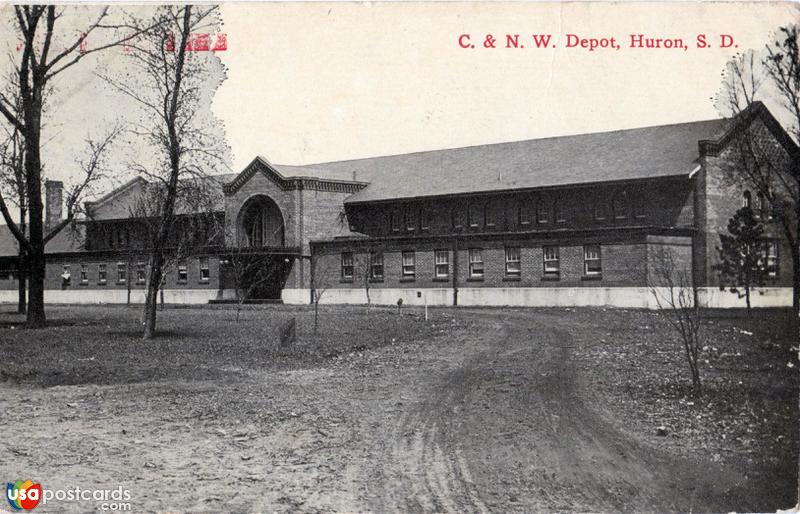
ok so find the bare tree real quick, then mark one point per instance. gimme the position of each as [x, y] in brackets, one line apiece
[362, 273]
[173, 85]
[323, 272]
[249, 272]
[675, 294]
[49, 48]
[194, 224]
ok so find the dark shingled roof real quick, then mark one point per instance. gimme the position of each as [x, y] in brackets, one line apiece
[665, 150]
[70, 239]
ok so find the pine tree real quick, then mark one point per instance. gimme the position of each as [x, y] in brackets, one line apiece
[742, 265]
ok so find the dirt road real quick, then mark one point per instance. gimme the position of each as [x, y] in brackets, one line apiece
[496, 418]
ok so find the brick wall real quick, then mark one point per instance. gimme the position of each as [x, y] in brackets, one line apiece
[55, 269]
[723, 190]
[623, 263]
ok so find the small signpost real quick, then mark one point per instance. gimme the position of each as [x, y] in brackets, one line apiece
[288, 332]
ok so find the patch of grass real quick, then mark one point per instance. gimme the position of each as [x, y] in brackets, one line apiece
[103, 345]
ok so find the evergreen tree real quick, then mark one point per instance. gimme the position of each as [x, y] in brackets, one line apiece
[742, 265]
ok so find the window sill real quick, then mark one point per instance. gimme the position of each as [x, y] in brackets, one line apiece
[591, 277]
[551, 278]
[408, 279]
[441, 279]
[512, 278]
[475, 279]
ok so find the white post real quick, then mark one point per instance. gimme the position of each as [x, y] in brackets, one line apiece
[425, 294]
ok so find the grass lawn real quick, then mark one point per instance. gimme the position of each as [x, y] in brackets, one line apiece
[214, 401]
[103, 345]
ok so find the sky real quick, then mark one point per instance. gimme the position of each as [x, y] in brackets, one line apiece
[317, 82]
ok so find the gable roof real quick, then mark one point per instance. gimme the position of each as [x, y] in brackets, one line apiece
[660, 151]
[295, 177]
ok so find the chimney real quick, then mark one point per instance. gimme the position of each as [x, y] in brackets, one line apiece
[54, 192]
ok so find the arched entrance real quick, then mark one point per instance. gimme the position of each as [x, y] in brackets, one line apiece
[260, 223]
[260, 262]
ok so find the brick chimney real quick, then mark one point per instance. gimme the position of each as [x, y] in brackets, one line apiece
[54, 192]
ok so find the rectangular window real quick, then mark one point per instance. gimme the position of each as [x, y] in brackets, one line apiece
[122, 273]
[102, 275]
[394, 221]
[205, 271]
[183, 273]
[411, 220]
[488, 215]
[347, 265]
[424, 219]
[513, 268]
[140, 273]
[551, 262]
[84, 273]
[524, 214]
[542, 211]
[591, 260]
[441, 260]
[409, 268]
[772, 258]
[376, 265]
[475, 263]
[558, 211]
[455, 218]
[65, 274]
[474, 215]
[638, 206]
[600, 210]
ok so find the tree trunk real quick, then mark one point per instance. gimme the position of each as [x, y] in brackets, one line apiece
[747, 300]
[22, 302]
[150, 304]
[316, 314]
[33, 181]
[36, 317]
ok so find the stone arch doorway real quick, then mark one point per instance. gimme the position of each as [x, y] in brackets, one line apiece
[261, 223]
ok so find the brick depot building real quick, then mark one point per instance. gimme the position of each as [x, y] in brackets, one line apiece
[559, 221]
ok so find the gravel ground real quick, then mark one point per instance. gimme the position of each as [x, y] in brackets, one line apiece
[476, 410]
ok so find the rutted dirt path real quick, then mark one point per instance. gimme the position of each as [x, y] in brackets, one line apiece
[508, 427]
[493, 419]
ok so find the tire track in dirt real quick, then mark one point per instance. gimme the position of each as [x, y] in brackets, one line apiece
[510, 427]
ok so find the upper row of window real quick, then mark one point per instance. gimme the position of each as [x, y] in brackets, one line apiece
[546, 211]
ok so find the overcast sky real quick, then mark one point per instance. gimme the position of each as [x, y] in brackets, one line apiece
[315, 82]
